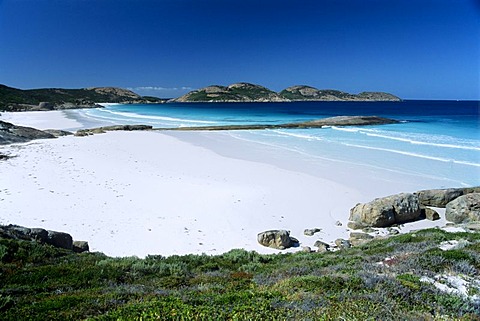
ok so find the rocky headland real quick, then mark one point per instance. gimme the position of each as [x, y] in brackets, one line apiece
[13, 99]
[246, 92]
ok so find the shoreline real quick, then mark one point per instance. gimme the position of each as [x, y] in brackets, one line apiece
[139, 193]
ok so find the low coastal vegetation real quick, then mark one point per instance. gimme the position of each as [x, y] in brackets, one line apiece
[403, 277]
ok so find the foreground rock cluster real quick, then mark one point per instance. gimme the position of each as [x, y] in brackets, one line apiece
[40, 235]
[462, 206]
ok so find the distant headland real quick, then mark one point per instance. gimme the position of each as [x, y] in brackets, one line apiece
[13, 99]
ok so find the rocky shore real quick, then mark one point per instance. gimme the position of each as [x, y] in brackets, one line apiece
[10, 133]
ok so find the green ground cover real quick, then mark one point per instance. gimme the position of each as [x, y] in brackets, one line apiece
[39, 282]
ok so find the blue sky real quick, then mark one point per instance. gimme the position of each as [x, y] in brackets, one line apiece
[416, 49]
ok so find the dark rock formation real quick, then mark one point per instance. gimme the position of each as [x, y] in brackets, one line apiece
[57, 132]
[386, 211]
[10, 133]
[60, 239]
[277, 239]
[80, 246]
[464, 209]
[40, 235]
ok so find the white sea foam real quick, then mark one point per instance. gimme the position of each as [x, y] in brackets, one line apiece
[163, 118]
[441, 159]
[291, 134]
[385, 135]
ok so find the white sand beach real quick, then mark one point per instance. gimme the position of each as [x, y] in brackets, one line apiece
[139, 193]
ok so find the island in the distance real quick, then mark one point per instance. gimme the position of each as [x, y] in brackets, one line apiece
[13, 99]
[246, 92]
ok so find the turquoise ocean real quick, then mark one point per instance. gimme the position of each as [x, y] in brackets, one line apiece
[434, 139]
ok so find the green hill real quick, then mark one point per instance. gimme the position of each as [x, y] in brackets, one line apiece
[12, 99]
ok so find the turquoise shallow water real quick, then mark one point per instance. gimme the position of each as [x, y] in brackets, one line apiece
[435, 139]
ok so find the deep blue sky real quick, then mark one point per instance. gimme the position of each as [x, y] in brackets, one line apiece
[417, 49]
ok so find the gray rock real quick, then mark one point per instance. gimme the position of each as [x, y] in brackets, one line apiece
[277, 239]
[358, 238]
[343, 244]
[60, 239]
[464, 209]
[322, 246]
[311, 231]
[355, 225]
[80, 246]
[438, 197]
[57, 132]
[386, 211]
[306, 249]
[10, 134]
[431, 214]
[473, 227]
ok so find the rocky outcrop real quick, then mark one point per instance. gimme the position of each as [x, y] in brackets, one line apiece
[57, 132]
[386, 211]
[464, 209]
[319, 123]
[277, 239]
[40, 235]
[307, 93]
[10, 133]
[101, 130]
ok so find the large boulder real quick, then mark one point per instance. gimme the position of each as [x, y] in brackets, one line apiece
[10, 133]
[464, 209]
[60, 239]
[441, 197]
[438, 197]
[277, 239]
[386, 211]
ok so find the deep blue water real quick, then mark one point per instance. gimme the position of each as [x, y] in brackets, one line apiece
[435, 138]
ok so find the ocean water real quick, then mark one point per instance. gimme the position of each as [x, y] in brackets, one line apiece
[438, 139]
